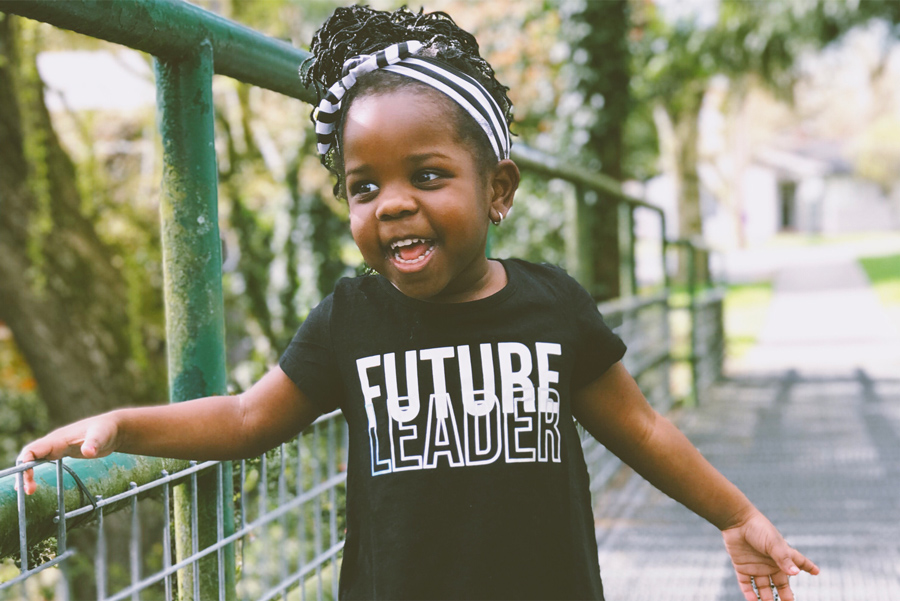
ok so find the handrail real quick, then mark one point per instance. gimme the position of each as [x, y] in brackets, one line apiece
[175, 29]
[103, 477]
[543, 164]
[549, 166]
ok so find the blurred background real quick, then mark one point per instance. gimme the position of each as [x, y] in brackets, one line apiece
[768, 130]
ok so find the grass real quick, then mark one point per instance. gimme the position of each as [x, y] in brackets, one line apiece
[884, 273]
[746, 307]
[803, 239]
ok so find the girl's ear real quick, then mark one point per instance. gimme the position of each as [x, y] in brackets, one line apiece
[504, 183]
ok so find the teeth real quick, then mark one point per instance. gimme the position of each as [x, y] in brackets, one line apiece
[398, 245]
[406, 242]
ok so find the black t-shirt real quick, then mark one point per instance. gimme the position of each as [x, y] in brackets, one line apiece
[466, 478]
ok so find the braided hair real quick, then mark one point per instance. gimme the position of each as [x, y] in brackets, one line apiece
[356, 30]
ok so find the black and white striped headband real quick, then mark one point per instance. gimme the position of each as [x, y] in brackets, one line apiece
[463, 89]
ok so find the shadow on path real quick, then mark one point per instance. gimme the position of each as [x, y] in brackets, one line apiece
[819, 456]
[808, 426]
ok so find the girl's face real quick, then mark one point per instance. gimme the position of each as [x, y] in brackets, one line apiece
[420, 206]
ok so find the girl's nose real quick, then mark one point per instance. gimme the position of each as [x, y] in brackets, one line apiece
[395, 205]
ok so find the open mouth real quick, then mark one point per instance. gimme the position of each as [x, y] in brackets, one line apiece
[410, 251]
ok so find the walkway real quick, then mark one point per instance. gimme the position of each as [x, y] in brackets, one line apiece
[808, 425]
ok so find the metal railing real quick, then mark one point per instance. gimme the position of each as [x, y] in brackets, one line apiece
[261, 528]
[288, 536]
[188, 45]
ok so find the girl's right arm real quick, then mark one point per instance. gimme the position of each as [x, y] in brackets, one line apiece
[218, 427]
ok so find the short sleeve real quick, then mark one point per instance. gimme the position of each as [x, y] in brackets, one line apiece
[309, 359]
[597, 347]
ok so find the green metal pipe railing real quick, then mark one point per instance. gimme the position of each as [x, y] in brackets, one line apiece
[105, 477]
[691, 249]
[172, 29]
[540, 163]
[549, 166]
[189, 44]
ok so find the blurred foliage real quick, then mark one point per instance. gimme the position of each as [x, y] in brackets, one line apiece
[22, 419]
[535, 228]
[69, 229]
[285, 237]
[566, 63]
[876, 153]
[760, 40]
[597, 70]
[749, 44]
[285, 244]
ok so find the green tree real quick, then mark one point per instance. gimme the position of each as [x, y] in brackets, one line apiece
[601, 65]
[64, 290]
[749, 43]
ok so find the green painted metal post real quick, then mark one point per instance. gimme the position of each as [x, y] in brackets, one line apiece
[578, 238]
[627, 258]
[192, 265]
[692, 296]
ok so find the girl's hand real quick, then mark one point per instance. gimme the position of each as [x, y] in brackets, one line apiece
[87, 439]
[759, 551]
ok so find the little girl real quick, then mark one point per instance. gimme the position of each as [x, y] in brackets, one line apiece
[459, 376]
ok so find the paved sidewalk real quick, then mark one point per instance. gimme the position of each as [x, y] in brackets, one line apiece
[809, 428]
[825, 319]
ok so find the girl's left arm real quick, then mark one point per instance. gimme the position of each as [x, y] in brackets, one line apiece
[615, 412]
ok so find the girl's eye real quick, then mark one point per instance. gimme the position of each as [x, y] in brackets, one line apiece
[424, 177]
[363, 188]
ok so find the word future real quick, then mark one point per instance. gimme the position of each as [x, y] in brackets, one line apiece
[514, 418]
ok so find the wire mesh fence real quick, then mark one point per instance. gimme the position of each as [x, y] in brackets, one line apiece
[708, 338]
[643, 324]
[287, 536]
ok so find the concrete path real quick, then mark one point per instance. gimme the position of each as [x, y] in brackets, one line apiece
[825, 319]
[808, 425]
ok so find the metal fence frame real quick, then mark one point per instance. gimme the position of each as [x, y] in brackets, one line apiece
[294, 495]
[189, 44]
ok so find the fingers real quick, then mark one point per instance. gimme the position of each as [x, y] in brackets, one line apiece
[35, 451]
[791, 561]
[764, 588]
[87, 439]
[772, 587]
[761, 553]
[97, 440]
[768, 587]
[803, 563]
[747, 588]
[28, 482]
[783, 555]
[781, 584]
